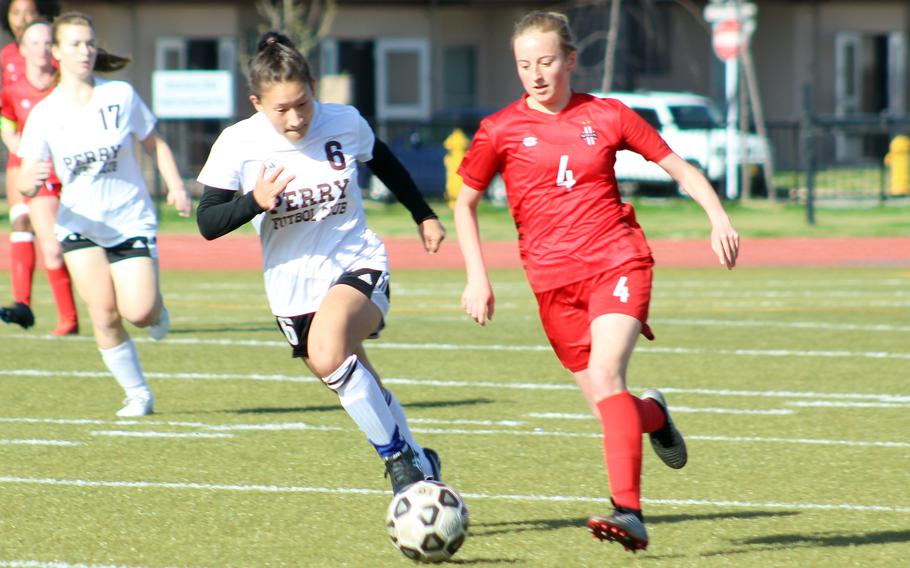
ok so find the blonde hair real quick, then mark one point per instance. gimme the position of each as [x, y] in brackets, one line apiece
[541, 21]
[104, 62]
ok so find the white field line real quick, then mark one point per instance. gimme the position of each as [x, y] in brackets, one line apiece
[54, 564]
[565, 386]
[845, 404]
[467, 495]
[151, 434]
[540, 432]
[676, 408]
[520, 348]
[33, 442]
[781, 324]
[197, 425]
[810, 293]
[446, 431]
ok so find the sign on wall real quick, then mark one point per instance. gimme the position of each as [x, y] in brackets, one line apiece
[193, 94]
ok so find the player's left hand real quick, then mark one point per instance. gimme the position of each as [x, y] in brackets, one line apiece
[432, 233]
[180, 198]
[725, 243]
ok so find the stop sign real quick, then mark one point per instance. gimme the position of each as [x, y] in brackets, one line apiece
[728, 39]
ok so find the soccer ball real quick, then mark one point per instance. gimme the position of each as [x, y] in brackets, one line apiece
[428, 521]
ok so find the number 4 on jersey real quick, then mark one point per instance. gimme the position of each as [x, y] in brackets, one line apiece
[622, 291]
[565, 178]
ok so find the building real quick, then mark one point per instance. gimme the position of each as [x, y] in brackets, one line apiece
[404, 61]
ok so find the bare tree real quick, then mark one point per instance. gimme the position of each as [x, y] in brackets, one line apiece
[612, 36]
[306, 22]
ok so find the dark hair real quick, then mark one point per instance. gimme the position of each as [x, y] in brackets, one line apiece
[104, 62]
[547, 22]
[47, 9]
[277, 60]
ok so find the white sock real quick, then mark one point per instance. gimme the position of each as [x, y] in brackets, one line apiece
[361, 397]
[405, 430]
[123, 362]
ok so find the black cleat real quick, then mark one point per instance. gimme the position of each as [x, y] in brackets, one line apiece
[668, 442]
[404, 469]
[18, 313]
[435, 464]
[625, 526]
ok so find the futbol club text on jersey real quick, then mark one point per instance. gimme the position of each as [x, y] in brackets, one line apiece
[81, 163]
[308, 203]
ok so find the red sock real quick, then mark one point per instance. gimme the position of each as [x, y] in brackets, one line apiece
[622, 446]
[651, 414]
[59, 279]
[22, 266]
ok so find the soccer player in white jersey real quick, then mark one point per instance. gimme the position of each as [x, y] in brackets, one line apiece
[106, 222]
[326, 274]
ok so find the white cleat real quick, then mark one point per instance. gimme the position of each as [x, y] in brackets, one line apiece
[137, 406]
[159, 329]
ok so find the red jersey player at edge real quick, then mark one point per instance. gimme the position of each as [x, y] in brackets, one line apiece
[326, 274]
[106, 221]
[18, 99]
[584, 254]
[16, 15]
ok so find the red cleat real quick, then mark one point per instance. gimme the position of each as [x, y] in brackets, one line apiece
[67, 328]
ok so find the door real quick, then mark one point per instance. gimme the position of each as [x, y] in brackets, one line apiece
[847, 76]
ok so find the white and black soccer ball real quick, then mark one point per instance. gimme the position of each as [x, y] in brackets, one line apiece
[428, 521]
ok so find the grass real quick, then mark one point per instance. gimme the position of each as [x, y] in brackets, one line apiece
[790, 385]
[684, 219]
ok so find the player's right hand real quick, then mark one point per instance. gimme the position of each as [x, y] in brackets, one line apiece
[478, 301]
[32, 177]
[268, 187]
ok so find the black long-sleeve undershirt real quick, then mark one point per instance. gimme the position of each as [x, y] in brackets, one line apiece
[221, 211]
[395, 176]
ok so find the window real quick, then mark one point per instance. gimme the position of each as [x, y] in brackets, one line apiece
[403, 79]
[459, 85]
[650, 116]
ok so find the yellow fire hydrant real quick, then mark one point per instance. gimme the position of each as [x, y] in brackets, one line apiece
[898, 161]
[456, 144]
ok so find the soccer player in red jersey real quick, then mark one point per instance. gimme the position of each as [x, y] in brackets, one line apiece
[18, 98]
[584, 254]
[16, 15]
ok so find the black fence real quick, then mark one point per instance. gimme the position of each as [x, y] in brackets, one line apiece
[817, 160]
[840, 159]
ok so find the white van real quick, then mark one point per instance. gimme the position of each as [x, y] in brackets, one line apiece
[692, 127]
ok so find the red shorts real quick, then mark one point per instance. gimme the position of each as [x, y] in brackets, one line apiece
[48, 189]
[567, 312]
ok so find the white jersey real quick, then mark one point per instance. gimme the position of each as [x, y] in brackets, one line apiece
[104, 197]
[318, 230]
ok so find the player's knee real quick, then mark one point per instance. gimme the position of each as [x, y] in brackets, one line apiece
[51, 254]
[104, 316]
[325, 356]
[335, 376]
[608, 380]
[141, 316]
[18, 218]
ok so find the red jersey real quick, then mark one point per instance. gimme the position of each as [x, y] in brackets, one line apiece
[16, 102]
[561, 187]
[12, 64]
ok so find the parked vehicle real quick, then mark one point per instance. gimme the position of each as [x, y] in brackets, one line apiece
[420, 148]
[692, 127]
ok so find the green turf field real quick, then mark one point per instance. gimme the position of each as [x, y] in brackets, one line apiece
[791, 386]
